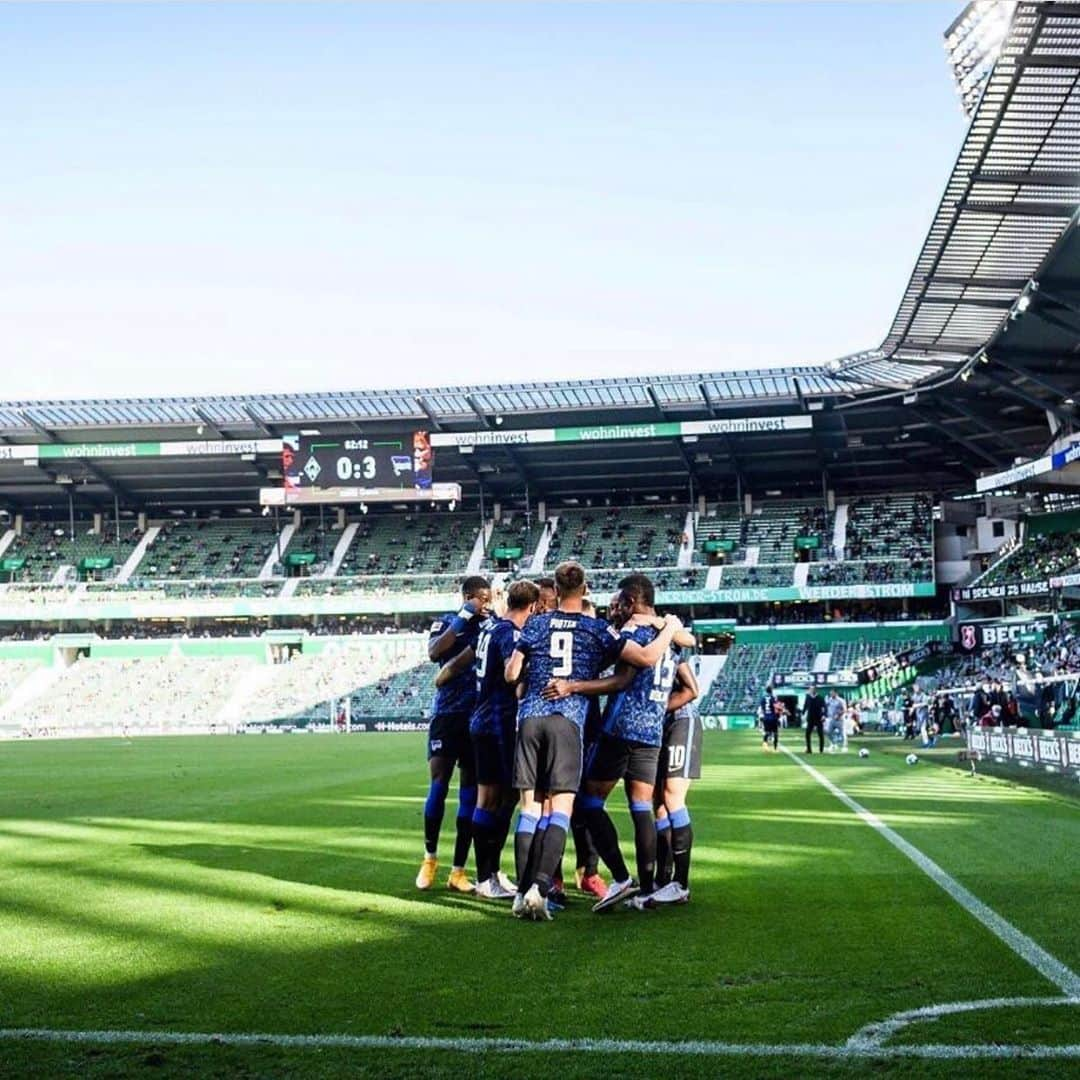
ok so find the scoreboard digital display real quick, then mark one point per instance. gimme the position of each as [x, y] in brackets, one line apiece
[369, 462]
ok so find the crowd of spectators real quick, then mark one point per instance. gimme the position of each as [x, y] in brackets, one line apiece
[1038, 558]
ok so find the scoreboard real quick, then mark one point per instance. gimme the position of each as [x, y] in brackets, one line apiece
[367, 461]
[357, 467]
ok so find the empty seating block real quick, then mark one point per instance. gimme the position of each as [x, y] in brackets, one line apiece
[46, 546]
[415, 543]
[512, 531]
[146, 694]
[12, 672]
[602, 583]
[196, 550]
[774, 527]
[748, 669]
[377, 673]
[892, 527]
[380, 585]
[878, 572]
[618, 537]
[315, 538]
[757, 577]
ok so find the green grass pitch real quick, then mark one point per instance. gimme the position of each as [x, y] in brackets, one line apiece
[264, 885]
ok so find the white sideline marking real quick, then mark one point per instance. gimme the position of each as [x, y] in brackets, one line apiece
[1046, 965]
[516, 1046]
[876, 1033]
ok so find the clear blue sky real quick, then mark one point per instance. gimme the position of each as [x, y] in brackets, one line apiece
[228, 198]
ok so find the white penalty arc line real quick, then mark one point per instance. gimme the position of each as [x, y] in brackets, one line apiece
[1052, 969]
[544, 1046]
[876, 1033]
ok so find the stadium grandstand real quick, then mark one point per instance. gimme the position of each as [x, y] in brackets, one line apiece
[904, 488]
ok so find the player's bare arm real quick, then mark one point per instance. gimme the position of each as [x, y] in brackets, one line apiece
[514, 666]
[620, 679]
[462, 662]
[684, 638]
[646, 655]
[687, 689]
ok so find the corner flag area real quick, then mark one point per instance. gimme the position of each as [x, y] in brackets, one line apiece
[192, 905]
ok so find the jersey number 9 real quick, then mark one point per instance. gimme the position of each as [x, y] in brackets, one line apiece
[562, 649]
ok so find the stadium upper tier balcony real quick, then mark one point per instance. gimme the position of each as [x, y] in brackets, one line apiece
[616, 537]
[876, 572]
[214, 548]
[47, 546]
[1039, 557]
[602, 583]
[426, 543]
[757, 577]
[381, 585]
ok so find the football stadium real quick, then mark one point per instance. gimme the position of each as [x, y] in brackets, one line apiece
[677, 724]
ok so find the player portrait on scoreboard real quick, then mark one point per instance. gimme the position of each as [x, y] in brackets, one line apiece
[423, 458]
[289, 469]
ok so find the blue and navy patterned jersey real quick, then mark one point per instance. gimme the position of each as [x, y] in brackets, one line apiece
[565, 645]
[637, 713]
[594, 720]
[496, 702]
[768, 707]
[459, 694]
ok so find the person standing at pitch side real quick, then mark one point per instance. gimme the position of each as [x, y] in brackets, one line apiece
[834, 710]
[814, 715]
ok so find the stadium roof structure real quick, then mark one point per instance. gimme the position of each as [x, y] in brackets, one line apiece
[979, 366]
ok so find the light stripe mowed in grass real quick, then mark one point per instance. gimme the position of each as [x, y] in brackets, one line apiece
[252, 884]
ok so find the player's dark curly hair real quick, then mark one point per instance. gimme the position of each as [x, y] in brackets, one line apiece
[474, 584]
[639, 589]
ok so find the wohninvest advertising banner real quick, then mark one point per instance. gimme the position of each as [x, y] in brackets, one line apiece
[619, 432]
[104, 450]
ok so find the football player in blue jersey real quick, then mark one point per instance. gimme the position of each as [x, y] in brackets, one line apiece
[769, 709]
[493, 728]
[680, 762]
[629, 745]
[586, 858]
[570, 645]
[448, 734]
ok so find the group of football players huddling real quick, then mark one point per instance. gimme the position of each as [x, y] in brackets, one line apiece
[517, 712]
